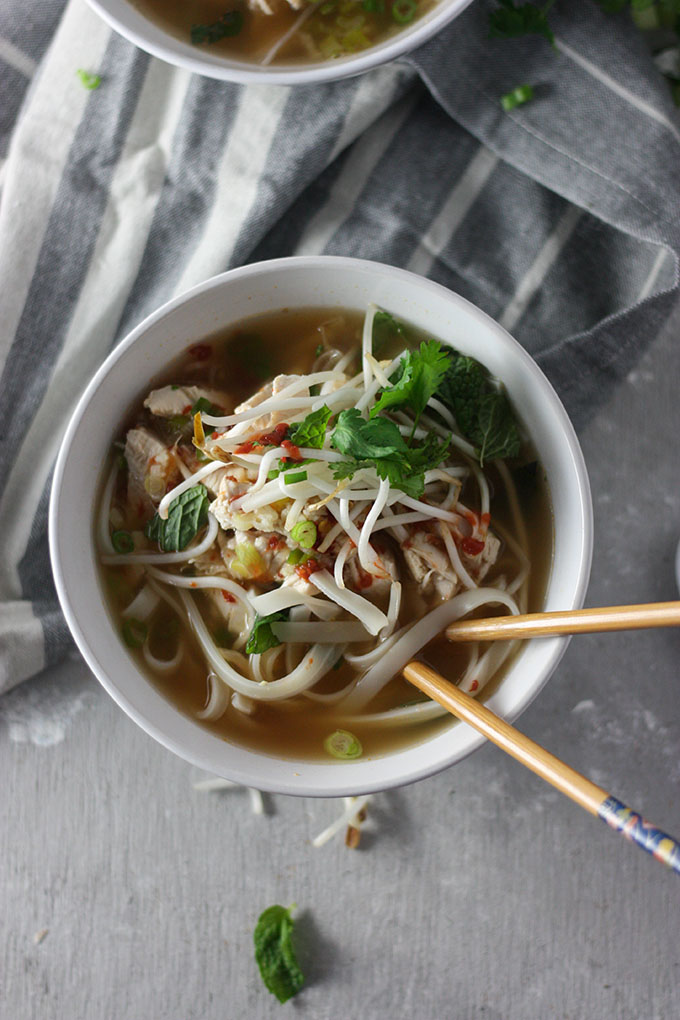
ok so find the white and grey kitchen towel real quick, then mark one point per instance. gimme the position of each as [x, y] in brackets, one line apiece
[561, 218]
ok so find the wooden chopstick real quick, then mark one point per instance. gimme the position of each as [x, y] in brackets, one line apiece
[567, 780]
[576, 621]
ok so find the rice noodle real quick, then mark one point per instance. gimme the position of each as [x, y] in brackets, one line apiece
[285, 597]
[339, 632]
[371, 617]
[365, 659]
[210, 581]
[417, 636]
[315, 663]
[143, 604]
[104, 529]
[218, 700]
[406, 715]
[163, 665]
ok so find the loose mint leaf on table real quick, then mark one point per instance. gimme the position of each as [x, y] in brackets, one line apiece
[186, 515]
[262, 637]
[229, 24]
[275, 955]
[311, 431]
[509, 20]
[483, 413]
[420, 374]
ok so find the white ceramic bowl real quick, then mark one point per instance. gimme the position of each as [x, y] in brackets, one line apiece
[149, 36]
[257, 289]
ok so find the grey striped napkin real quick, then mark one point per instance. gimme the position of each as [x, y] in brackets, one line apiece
[560, 218]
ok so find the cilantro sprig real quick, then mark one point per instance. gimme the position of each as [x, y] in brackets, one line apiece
[421, 373]
[378, 443]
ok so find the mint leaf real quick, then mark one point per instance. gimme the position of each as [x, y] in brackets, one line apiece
[509, 20]
[311, 431]
[275, 955]
[483, 413]
[422, 371]
[262, 636]
[497, 432]
[186, 515]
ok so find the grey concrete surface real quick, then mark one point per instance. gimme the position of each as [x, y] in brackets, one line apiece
[480, 894]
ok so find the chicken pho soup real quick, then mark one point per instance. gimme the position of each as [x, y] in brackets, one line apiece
[284, 31]
[298, 508]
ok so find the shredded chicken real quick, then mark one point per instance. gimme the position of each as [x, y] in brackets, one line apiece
[272, 389]
[152, 469]
[175, 400]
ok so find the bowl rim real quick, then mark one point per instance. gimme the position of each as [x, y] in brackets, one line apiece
[205, 760]
[153, 39]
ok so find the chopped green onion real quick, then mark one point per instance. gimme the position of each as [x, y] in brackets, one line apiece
[135, 633]
[304, 533]
[319, 347]
[88, 80]
[295, 476]
[522, 94]
[404, 11]
[294, 557]
[122, 541]
[374, 6]
[343, 744]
